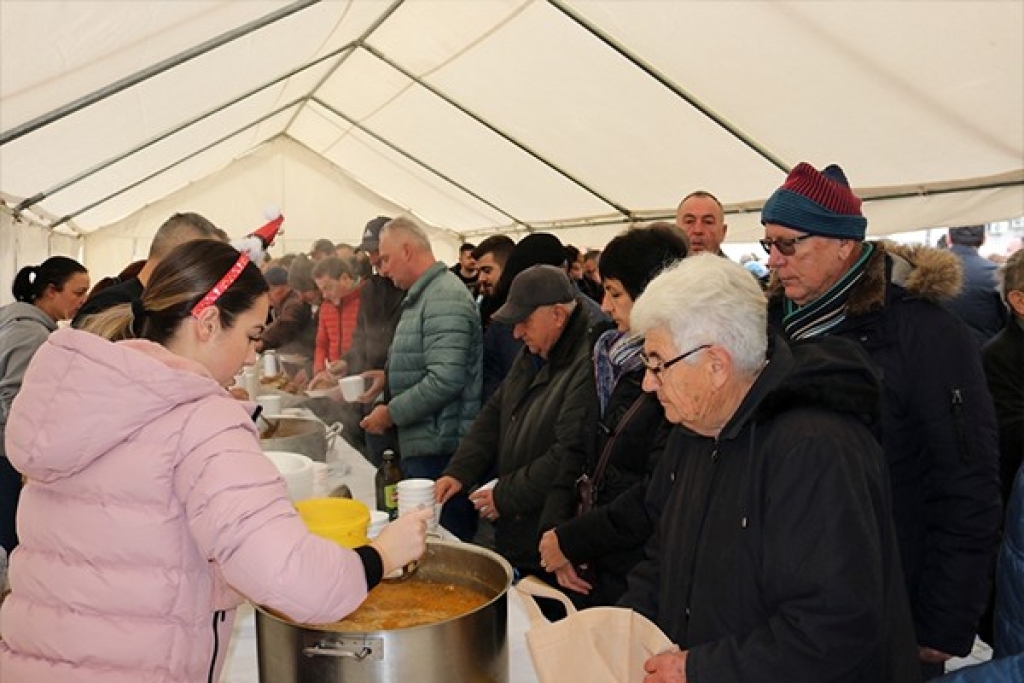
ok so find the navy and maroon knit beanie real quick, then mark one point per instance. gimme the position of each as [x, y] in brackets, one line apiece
[818, 203]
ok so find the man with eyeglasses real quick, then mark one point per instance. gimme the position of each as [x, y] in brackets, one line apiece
[938, 424]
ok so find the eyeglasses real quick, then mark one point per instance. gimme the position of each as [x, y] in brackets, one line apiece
[785, 245]
[656, 367]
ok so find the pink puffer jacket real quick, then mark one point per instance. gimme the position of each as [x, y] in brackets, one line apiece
[147, 497]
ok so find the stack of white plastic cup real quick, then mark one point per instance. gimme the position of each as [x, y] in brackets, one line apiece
[416, 494]
[251, 382]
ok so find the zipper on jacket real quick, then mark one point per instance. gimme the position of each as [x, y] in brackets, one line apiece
[960, 424]
[217, 616]
[705, 502]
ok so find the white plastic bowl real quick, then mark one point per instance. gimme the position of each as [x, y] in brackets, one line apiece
[297, 472]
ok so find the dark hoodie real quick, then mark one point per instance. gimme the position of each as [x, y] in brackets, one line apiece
[775, 558]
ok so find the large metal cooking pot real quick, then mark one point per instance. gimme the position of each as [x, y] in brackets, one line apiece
[469, 648]
[307, 436]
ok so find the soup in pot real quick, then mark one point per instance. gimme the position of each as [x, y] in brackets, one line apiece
[410, 603]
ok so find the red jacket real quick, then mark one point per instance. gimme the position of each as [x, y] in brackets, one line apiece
[334, 334]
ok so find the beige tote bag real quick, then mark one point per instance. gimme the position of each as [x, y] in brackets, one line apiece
[596, 645]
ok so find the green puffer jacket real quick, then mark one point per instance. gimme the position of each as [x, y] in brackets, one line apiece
[434, 367]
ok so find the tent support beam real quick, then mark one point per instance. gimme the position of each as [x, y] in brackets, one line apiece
[422, 164]
[151, 71]
[627, 214]
[140, 181]
[869, 197]
[358, 42]
[103, 165]
[661, 78]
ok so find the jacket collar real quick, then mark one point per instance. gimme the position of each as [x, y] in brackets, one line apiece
[565, 348]
[423, 281]
[923, 272]
[828, 372]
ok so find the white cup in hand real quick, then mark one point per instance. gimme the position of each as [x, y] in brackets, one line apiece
[352, 387]
[271, 403]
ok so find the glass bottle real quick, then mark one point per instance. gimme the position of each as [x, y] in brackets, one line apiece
[386, 482]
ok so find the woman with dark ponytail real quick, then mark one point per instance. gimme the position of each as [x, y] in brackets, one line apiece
[43, 295]
[148, 501]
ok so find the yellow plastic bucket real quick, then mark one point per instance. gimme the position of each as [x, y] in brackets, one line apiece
[341, 520]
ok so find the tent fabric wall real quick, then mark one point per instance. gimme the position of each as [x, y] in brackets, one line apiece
[579, 116]
[316, 200]
[24, 243]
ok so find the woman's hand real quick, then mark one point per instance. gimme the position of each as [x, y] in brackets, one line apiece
[404, 540]
[551, 556]
[568, 578]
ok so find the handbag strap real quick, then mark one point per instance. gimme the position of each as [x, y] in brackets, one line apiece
[530, 587]
[606, 453]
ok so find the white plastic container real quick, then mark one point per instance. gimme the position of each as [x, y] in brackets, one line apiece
[297, 472]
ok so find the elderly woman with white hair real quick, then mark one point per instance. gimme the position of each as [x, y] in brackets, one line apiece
[774, 557]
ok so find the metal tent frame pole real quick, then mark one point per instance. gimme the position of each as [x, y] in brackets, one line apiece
[419, 162]
[668, 83]
[67, 217]
[627, 214]
[151, 71]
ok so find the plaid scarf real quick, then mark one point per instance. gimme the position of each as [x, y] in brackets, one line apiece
[828, 310]
[615, 354]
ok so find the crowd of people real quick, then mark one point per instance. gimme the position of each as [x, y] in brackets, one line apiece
[798, 469]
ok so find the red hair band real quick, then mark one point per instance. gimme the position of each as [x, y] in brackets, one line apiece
[222, 285]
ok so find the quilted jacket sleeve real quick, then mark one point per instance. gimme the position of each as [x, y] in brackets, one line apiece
[241, 519]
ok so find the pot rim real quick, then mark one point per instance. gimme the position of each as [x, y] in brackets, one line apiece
[267, 612]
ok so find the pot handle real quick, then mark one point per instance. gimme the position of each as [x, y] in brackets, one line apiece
[358, 650]
[333, 432]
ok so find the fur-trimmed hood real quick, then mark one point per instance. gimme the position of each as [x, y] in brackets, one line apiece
[924, 272]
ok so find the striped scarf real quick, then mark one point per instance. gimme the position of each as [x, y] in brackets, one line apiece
[615, 354]
[828, 310]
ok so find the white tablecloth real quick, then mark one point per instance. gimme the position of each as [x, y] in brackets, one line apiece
[351, 468]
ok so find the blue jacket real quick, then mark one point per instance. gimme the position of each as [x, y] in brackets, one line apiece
[1007, 665]
[978, 304]
[434, 371]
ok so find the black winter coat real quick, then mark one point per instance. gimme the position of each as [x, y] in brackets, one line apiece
[611, 538]
[774, 559]
[1004, 368]
[380, 307]
[537, 417]
[938, 430]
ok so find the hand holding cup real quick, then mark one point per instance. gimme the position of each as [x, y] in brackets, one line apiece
[403, 540]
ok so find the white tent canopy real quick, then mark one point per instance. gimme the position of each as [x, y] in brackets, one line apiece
[579, 116]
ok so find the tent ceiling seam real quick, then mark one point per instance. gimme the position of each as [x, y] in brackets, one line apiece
[671, 85]
[151, 71]
[422, 164]
[507, 137]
